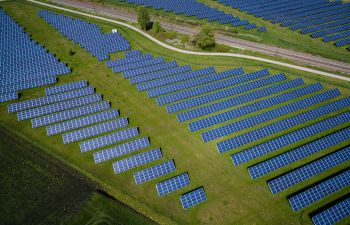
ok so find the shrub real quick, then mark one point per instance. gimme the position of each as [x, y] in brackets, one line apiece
[157, 28]
[143, 18]
[204, 39]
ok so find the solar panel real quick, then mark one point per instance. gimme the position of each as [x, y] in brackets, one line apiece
[19, 106]
[173, 184]
[282, 125]
[81, 122]
[27, 85]
[69, 114]
[66, 87]
[162, 100]
[311, 169]
[136, 160]
[154, 172]
[319, 191]
[253, 107]
[94, 130]
[49, 109]
[333, 214]
[159, 74]
[108, 139]
[149, 69]
[218, 94]
[189, 83]
[287, 139]
[126, 67]
[172, 79]
[268, 115]
[237, 100]
[120, 150]
[8, 97]
[193, 198]
[305, 151]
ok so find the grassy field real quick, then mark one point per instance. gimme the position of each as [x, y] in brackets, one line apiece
[276, 36]
[233, 198]
[40, 189]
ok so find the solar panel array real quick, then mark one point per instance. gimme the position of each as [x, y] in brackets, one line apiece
[319, 191]
[320, 18]
[309, 170]
[61, 111]
[27, 65]
[333, 214]
[270, 120]
[196, 9]
[89, 36]
[193, 198]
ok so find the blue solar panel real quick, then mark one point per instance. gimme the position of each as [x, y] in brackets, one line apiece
[49, 109]
[210, 87]
[172, 79]
[189, 83]
[126, 67]
[311, 169]
[268, 115]
[66, 87]
[108, 139]
[128, 60]
[8, 97]
[15, 107]
[149, 69]
[333, 214]
[253, 107]
[282, 125]
[319, 191]
[217, 95]
[120, 150]
[173, 184]
[81, 122]
[305, 151]
[154, 172]
[136, 160]
[159, 74]
[69, 114]
[241, 99]
[89, 36]
[287, 139]
[27, 85]
[94, 130]
[193, 198]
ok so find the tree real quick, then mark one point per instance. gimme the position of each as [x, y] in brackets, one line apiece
[143, 18]
[204, 39]
[157, 28]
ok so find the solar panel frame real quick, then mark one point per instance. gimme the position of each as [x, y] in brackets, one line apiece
[193, 198]
[319, 191]
[121, 149]
[333, 214]
[66, 87]
[173, 184]
[154, 172]
[94, 130]
[81, 122]
[108, 139]
[136, 160]
[70, 114]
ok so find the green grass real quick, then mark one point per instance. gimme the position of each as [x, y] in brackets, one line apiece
[233, 198]
[275, 36]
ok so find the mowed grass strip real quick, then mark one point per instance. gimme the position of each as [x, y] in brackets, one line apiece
[232, 196]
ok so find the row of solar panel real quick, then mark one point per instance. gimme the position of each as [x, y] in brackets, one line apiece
[89, 126]
[26, 66]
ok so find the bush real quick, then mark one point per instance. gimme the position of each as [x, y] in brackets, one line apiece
[204, 39]
[143, 18]
[157, 28]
